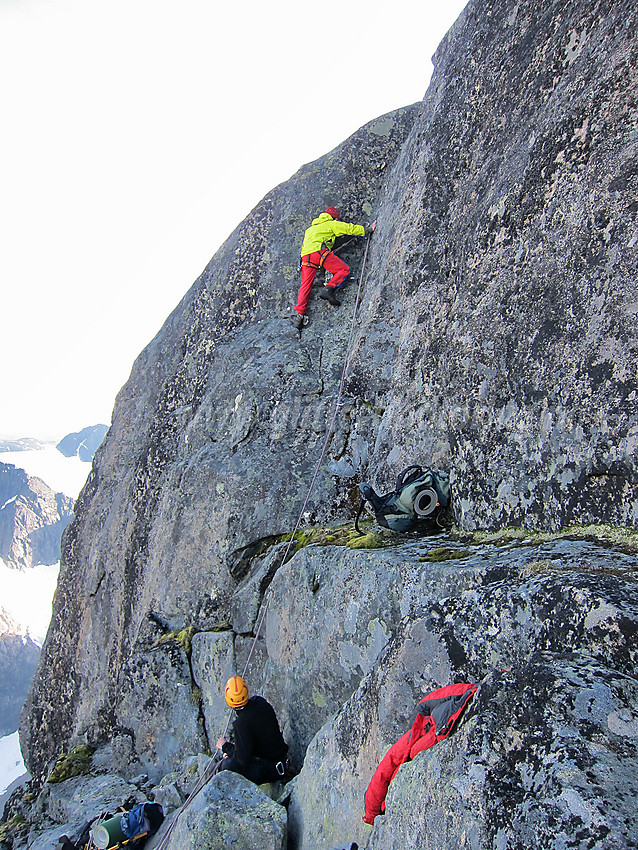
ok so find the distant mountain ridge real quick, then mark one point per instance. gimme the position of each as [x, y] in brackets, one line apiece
[18, 659]
[21, 444]
[19, 656]
[32, 519]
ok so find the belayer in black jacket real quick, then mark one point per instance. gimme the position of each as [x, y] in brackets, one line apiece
[259, 752]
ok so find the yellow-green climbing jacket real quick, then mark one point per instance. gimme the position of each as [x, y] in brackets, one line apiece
[325, 229]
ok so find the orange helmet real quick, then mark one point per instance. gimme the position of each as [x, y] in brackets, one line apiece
[236, 692]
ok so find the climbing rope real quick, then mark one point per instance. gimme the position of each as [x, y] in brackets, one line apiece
[326, 443]
[211, 767]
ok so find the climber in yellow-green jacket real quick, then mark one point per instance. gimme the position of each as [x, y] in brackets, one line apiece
[316, 253]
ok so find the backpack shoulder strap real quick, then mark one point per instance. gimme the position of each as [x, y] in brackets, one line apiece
[408, 474]
[359, 512]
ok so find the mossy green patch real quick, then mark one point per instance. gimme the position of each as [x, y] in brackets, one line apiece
[343, 535]
[540, 567]
[75, 763]
[10, 828]
[444, 554]
[370, 540]
[184, 637]
[619, 536]
[318, 698]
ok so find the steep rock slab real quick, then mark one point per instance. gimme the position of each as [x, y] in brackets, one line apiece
[508, 268]
[161, 706]
[215, 437]
[212, 443]
[213, 663]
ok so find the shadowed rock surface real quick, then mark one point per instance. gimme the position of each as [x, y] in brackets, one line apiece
[496, 340]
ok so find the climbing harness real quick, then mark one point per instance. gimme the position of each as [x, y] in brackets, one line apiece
[212, 767]
[323, 253]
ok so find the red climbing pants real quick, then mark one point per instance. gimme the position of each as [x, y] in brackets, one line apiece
[332, 264]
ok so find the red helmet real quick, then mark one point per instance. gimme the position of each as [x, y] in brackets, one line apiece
[333, 212]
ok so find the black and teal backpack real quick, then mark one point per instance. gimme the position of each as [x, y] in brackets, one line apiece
[420, 497]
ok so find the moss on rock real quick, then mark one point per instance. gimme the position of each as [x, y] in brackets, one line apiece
[621, 536]
[75, 763]
[444, 554]
[184, 637]
[343, 535]
[11, 828]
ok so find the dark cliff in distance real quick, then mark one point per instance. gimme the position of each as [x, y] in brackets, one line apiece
[32, 519]
[18, 660]
[497, 340]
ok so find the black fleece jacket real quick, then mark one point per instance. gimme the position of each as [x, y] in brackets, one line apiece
[257, 734]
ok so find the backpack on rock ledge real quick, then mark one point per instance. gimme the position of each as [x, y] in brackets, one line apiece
[419, 498]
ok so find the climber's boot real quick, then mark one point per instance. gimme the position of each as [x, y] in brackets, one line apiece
[328, 293]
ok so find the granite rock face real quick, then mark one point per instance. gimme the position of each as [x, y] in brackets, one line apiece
[508, 270]
[211, 446]
[496, 340]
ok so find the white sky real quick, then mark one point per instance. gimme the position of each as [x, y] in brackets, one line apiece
[135, 135]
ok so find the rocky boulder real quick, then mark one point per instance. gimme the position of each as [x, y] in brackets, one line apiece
[549, 746]
[66, 808]
[545, 624]
[230, 812]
